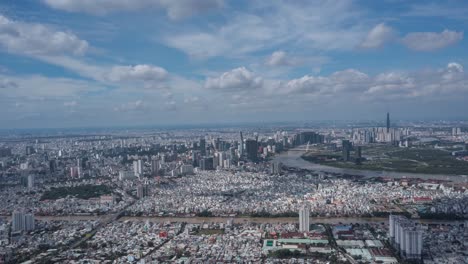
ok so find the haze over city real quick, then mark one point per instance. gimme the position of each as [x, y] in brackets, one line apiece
[149, 62]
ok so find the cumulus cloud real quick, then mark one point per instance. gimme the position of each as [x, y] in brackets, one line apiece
[141, 72]
[430, 41]
[175, 9]
[36, 39]
[378, 36]
[236, 79]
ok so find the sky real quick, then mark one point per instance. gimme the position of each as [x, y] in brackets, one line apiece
[68, 63]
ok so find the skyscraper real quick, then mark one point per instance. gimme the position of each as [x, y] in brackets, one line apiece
[304, 219]
[251, 148]
[241, 146]
[202, 146]
[346, 146]
[388, 122]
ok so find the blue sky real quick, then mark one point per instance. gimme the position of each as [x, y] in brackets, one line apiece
[67, 63]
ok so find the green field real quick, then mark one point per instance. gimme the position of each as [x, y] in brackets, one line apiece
[81, 192]
[389, 158]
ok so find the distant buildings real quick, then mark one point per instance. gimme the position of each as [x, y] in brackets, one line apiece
[304, 219]
[406, 237]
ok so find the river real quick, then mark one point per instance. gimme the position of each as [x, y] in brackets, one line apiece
[292, 158]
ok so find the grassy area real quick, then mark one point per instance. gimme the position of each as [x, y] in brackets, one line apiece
[81, 192]
[389, 158]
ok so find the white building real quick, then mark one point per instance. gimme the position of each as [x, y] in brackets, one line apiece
[138, 168]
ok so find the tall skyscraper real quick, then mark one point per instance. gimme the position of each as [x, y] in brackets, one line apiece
[304, 219]
[251, 147]
[241, 146]
[388, 122]
[202, 147]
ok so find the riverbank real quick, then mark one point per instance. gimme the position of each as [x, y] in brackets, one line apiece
[293, 158]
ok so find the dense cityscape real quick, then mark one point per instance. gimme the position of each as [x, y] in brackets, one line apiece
[233, 131]
[230, 195]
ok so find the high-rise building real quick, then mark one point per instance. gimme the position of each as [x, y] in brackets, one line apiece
[202, 144]
[251, 147]
[22, 222]
[31, 180]
[29, 150]
[138, 168]
[405, 237]
[241, 145]
[52, 166]
[346, 148]
[17, 221]
[29, 224]
[142, 191]
[155, 167]
[388, 122]
[275, 168]
[304, 219]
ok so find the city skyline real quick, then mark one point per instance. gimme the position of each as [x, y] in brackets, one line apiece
[150, 62]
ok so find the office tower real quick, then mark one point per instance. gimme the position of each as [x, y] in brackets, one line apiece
[202, 144]
[251, 147]
[222, 158]
[154, 167]
[388, 122]
[304, 219]
[346, 146]
[138, 168]
[31, 179]
[125, 175]
[241, 146]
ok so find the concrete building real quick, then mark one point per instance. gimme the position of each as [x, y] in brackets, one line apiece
[304, 219]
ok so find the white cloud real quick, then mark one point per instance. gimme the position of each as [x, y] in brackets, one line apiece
[321, 26]
[236, 79]
[429, 41]
[378, 36]
[280, 58]
[175, 9]
[36, 39]
[140, 72]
